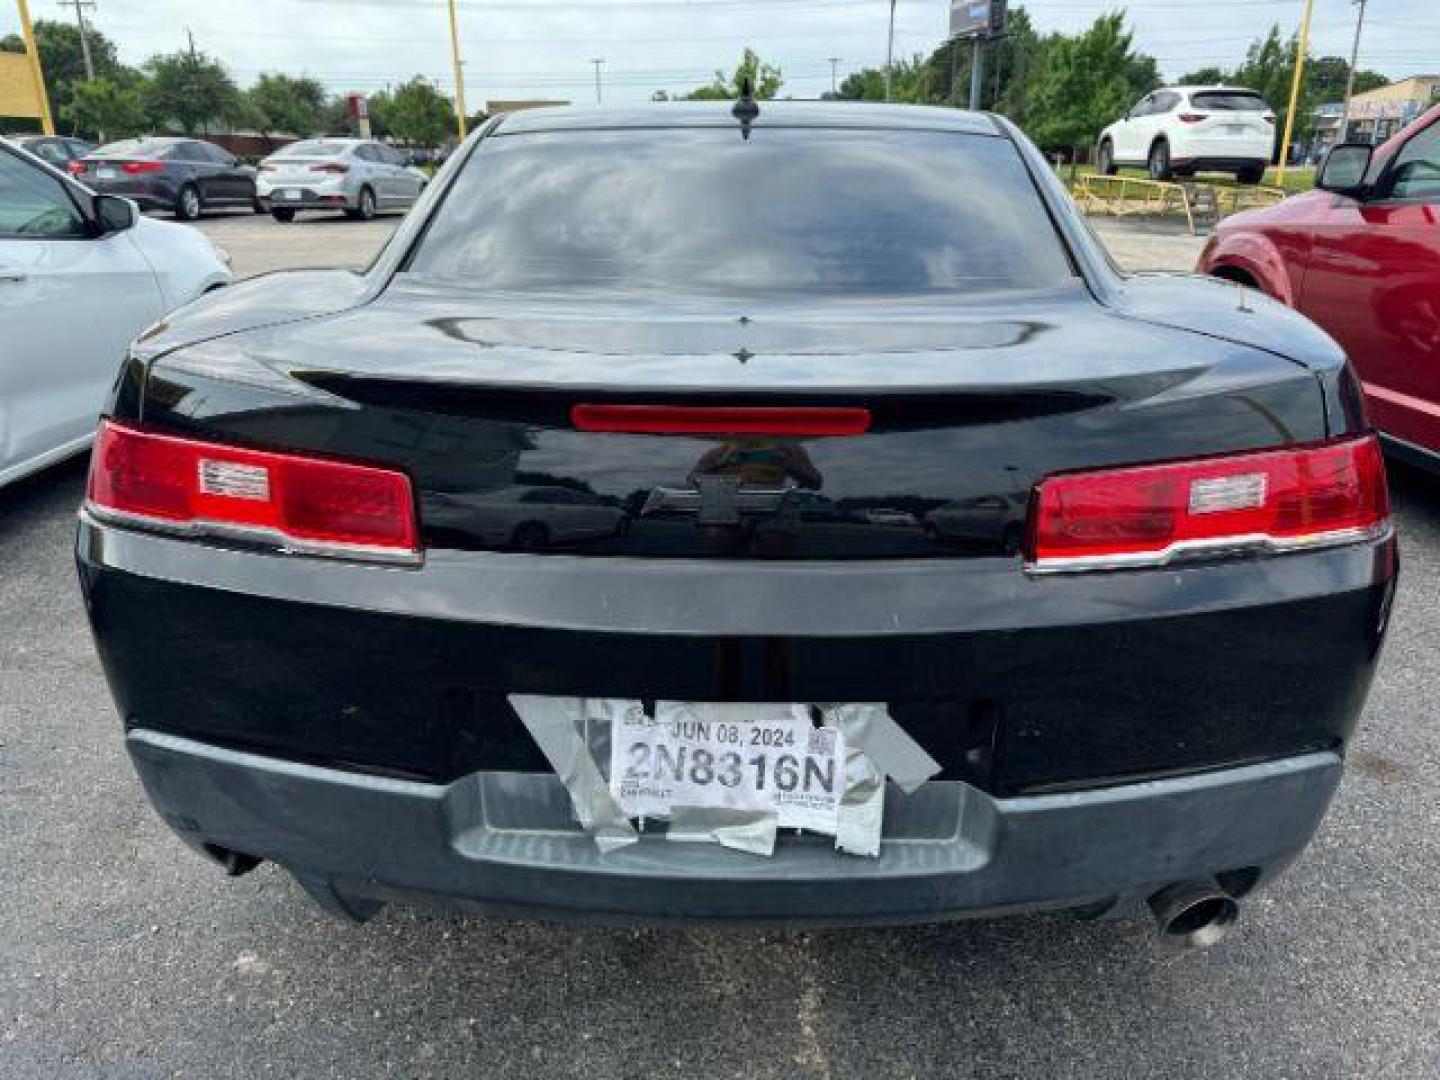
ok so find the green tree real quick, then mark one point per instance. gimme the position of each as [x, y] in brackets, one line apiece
[109, 107]
[1325, 78]
[915, 81]
[378, 107]
[1012, 65]
[191, 90]
[1009, 64]
[1269, 67]
[1206, 76]
[764, 80]
[63, 60]
[1016, 61]
[287, 103]
[1085, 82]
[416, 113]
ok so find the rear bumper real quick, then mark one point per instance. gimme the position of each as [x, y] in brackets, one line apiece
[310, 200]
[1015, 684]
[309, 196]
[505, 843]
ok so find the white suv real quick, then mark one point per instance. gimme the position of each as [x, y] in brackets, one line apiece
[1178, 130]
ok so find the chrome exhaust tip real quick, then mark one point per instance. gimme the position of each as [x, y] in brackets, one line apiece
[1193, 915]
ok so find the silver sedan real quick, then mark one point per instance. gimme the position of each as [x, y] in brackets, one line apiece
[357, 176]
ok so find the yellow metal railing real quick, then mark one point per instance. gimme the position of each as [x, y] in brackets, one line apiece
[1123, 196]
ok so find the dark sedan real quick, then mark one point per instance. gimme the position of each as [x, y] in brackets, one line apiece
[184, 176]
[58, 150]
[772, 344]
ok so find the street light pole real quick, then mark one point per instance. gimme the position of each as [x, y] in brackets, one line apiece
[834, 76]
[1350, 78]
[890, 52]
[459, 72]
[1300, 50]
[599, 62]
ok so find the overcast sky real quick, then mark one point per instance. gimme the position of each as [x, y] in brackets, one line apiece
[543, 48]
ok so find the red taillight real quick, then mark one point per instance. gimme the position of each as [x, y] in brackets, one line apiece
[136, 167]
[330, 168]
[720, 420]
[1190, 117]
[1147, 515]
[76, 168]
[302, 503]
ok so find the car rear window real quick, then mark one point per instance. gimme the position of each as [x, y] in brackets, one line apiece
[784, 211]
[311, 149]
[1229, 101]
[134, 148]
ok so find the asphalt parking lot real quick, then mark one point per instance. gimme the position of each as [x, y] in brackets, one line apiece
[124, 955]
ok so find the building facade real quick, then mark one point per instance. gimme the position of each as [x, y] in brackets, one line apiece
[1376, 114]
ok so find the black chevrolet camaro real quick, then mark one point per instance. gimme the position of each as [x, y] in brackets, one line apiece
[655, 432]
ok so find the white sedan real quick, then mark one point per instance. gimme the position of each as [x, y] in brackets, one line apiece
[80, 276]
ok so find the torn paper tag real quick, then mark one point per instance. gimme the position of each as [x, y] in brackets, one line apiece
[757, 757]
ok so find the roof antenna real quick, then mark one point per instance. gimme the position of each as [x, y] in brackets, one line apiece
[745, 109]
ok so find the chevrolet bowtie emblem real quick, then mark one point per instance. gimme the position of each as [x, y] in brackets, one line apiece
[716, 500]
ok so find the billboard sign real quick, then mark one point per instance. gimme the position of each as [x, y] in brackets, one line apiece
[977, 18]
[18, 96]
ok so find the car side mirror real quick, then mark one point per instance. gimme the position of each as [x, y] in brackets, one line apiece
[113, 214]
[1344, 170]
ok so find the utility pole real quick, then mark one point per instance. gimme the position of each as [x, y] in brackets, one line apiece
[80, 6]
[977, 71]
[834, 76]
[1350, 78]
[459, 72]
[32, 51]
[1300, 50]
[190, 78]
[599, 62]
[890, 53]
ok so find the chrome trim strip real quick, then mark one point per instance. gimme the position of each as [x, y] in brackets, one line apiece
[273, 541]
[1195, 550]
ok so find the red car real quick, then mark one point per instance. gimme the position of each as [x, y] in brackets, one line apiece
[1361, 257]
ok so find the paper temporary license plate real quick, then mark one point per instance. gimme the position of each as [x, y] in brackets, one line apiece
[738, 756]
[105, 174]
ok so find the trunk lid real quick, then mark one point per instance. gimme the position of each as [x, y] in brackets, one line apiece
[968, 404]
